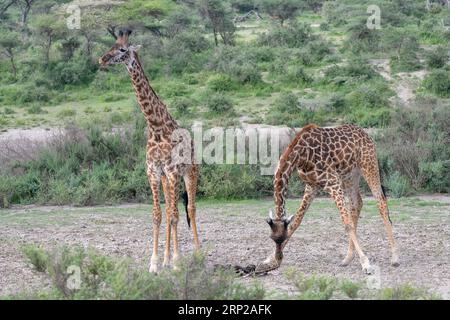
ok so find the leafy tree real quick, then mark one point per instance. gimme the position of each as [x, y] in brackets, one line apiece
[280, 9]
[48, 30]
[68, 47]
[218, 16]
[9, 43]
[25, 8]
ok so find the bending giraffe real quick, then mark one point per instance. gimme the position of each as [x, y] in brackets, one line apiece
[332, 159]
[170, 152]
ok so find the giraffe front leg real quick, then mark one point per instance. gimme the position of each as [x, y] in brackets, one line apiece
[165, 184]
[174, 186]
[154, 184]
[308, 196]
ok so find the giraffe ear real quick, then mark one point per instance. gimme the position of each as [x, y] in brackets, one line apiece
[288, 221]
[135, 47]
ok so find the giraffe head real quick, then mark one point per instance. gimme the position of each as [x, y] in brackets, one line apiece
[279, 227]
[121, 52]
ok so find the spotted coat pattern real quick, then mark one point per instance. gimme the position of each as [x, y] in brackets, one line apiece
[331, 159]
[170, 152]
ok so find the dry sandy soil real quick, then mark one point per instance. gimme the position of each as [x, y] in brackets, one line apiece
[235, 233]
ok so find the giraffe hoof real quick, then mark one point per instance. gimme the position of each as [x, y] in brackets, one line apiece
[344, 263]
[369, 270]
[166, 263]
[395, 263]
[153, 268]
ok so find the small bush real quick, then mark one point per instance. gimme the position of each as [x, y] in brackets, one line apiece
[298, 76]
[350, 288]
[219, 103]
[221, 82]
[103, 277]
[314, 287]
[437, 58]
[36, 109]
[398, 186]
[183, 106]
[405, 292]
[295, 35]
[324, 26]
[438, 82]
[37, 256]
[8, 111]
[65, 113]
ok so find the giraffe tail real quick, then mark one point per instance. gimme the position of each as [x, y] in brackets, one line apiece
[185, 202]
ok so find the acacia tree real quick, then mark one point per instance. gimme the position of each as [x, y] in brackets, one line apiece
[5, 5]
[281, 10]
[219, 18]
[48, 30]
[9, 42]
[25, 8]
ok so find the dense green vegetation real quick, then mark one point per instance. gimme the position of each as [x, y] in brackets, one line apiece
[104, 277]
[304, 61]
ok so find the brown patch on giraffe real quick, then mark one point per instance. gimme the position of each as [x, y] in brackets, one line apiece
[333, 159]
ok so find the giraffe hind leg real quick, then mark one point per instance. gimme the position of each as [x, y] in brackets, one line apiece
[372, 176]
[337, 193]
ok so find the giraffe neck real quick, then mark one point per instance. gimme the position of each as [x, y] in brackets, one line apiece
[154, 110]
[284, 171]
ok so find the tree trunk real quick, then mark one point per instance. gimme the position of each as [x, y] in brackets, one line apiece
[3, 10]
[215, 37]
[47, 50]
[13, 65]
[24, 13]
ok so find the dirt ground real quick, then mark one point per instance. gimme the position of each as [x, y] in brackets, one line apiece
[235, 233]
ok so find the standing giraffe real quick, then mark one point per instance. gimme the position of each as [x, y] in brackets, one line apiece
[331, 159]
[164, 162]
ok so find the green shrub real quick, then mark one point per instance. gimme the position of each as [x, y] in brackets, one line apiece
[36, 109]
[77, 71]
[436, 175]
[314, 287]
[295, 35]
[104, 277]
[405, 292]
[221, 82]
[8, 111]
[183, 106]
[298, 76]
[369, 96]
[65, 113]
[288, 110]
[406, 59]
[234, 182]
[438, 82]
[324, 26]
[31, 93]
[437, 58]
[352, 73]
[37, 256]
[369, 118]
[398, 186]
[219, 103]
[350, 288]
